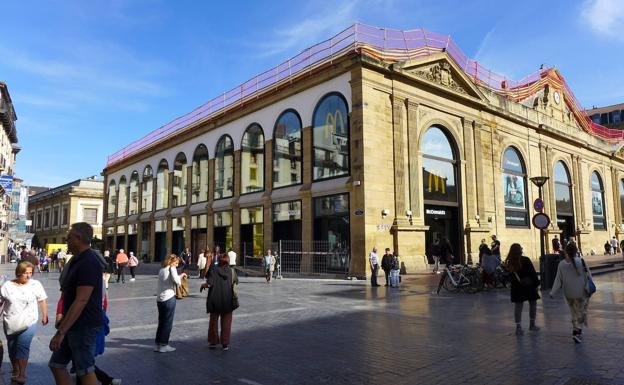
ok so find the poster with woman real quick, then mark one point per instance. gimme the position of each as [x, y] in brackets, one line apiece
[513, 191]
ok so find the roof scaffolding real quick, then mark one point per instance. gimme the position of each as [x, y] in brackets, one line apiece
[389, 45]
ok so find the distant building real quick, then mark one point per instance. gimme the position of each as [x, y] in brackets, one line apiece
[8, 151]
[53, 211]
[609, 116]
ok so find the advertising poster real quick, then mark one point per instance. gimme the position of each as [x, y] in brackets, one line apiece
[597, 203]
[513, 191]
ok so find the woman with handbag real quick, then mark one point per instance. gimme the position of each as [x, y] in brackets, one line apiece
[524, 283]
[20, 298]
[573, 276]
[133, 262]
[221, 302]
[168, 281]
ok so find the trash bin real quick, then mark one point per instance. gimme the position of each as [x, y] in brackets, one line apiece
[548, 270]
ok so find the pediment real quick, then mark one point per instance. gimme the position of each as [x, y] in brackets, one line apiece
[441, 72]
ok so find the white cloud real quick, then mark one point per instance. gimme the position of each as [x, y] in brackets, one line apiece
[605, 17]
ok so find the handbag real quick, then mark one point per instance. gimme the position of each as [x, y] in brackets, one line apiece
[590, 286]
[235, 303]
[525, 282]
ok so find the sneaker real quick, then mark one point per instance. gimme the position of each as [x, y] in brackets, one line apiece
[132, 279]
[157, 347]
[519, 332]
[116, 381]
[225, 347]
[166, 349]
[577, 338]
[212, 346]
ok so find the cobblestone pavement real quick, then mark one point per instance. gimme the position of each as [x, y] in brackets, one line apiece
[344, 332]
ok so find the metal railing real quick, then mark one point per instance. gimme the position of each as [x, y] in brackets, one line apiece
[386, 44]
[298, 258]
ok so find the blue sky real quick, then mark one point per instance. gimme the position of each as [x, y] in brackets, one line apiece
[87, 78]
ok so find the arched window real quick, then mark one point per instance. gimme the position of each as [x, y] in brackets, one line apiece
[146, 194]
[330, 137]
[287, 150]
[224, 168]
[179, 180]
[123, 198]
[514, 188]
[563, 190]
[112, 200]
[134, 193]
[200, 174]
[598, 206]
[439, 167]
[162, 185]
[252, 160]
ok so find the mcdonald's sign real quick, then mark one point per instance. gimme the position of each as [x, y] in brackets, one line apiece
[333, 122]
[437, 182]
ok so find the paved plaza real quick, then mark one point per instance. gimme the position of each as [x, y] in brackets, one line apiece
[297, 331]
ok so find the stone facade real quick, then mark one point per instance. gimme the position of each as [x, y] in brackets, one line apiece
[392, 105]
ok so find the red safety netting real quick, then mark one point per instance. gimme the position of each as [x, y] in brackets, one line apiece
[383, 43]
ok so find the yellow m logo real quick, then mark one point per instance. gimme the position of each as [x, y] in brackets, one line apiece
[437, 182]
[331, 123]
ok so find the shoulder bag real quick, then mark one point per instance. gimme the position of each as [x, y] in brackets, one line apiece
[590, 286]
[235, 303]
[525, 282]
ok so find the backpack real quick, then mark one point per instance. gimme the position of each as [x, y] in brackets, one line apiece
[395, 265]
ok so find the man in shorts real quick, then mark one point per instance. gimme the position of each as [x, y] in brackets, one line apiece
[82, 308]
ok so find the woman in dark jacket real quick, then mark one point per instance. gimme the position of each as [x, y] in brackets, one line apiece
[221, 301]
[524, 283]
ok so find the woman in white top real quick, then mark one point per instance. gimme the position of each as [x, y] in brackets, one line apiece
[201, 264]
[168, 278]
[571, 275]
[20, 297]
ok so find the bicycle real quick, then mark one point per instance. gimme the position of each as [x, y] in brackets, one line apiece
[458, 277]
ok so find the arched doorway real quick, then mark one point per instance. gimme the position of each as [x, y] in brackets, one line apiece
[563, 201]
[441, 191]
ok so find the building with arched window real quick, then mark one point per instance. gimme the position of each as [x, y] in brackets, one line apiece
[373, 138]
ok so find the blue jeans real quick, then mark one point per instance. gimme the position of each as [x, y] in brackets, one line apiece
[19, 343]
[77, 346]
[166, 311]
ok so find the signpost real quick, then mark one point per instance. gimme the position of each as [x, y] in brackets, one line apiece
[540, 220]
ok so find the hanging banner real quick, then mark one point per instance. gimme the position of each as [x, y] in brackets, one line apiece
[6, 182]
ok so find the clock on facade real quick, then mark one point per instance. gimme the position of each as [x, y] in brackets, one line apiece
[557, 97]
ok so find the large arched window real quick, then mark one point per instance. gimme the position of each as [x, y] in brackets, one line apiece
[112, 200]
[123, 198]
[514, 188]
[598, 206]
[563, 200]
[439, 167]
[146, 194]
[330, 137]
[252, 160]
[224, 168]
[200, 174]
[162, 185]
[287, 150]
[134, 193]
[179, 180]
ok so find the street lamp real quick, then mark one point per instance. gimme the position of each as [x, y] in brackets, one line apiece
[540, 181]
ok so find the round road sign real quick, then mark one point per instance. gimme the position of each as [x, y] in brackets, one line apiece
[541, 221]
[538, 205]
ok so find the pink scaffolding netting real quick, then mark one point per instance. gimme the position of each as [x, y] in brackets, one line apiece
[389, 45]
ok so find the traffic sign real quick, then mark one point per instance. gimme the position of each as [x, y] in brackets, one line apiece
[538, 205]
[541, 221]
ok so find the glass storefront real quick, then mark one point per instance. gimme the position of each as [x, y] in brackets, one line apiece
[252, 160]
[252, 232]
[287, 221]
[222, 233]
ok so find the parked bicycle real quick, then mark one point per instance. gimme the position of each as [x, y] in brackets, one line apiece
[461, 277]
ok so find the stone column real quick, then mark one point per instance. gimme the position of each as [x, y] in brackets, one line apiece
[307, 212]
[187, 213]
[209, 211]
[400, 168]
[479, 174]
[549, 191]
[415, 184]
[267, 211]
[617, 209]
[357, 224]
[470, 174]
[236, 217]
[169, 221]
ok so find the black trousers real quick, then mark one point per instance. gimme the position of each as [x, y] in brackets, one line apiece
[132, 269]
[374, 276]
[121, 273]
[387, 273]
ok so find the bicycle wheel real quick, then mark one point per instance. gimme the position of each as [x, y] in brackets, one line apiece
[449, 286]
[476, 282]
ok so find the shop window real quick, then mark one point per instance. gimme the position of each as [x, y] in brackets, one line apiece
[134, 193]
[224, 168]
[179, 180]
[199, 192]
[287, 150]
[112, 200]
[331, 221]
[121, 206]
[89, 215]
[162, 185]
[439, 167]
[252, 160]
[252, 231]
[330, 137]
[147, 187]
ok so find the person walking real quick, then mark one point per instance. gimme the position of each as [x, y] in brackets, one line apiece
[122, 260]
[81, 288]
[186, 258]
[572, 275]
[614, 245]
[435, 250]
[373, 260]
[201, 264]
[133, 262]
[524, 283]
[19, 298]
[221, 302]
[386, 264]
[446, 251]
[268, 265]
[232, 256]
[168, 280]
[556, 245]
[109, 268]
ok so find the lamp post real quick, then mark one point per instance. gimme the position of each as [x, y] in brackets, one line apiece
[540, 181]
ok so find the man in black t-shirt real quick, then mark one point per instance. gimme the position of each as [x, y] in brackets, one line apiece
[495, 247]
[76, 333]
